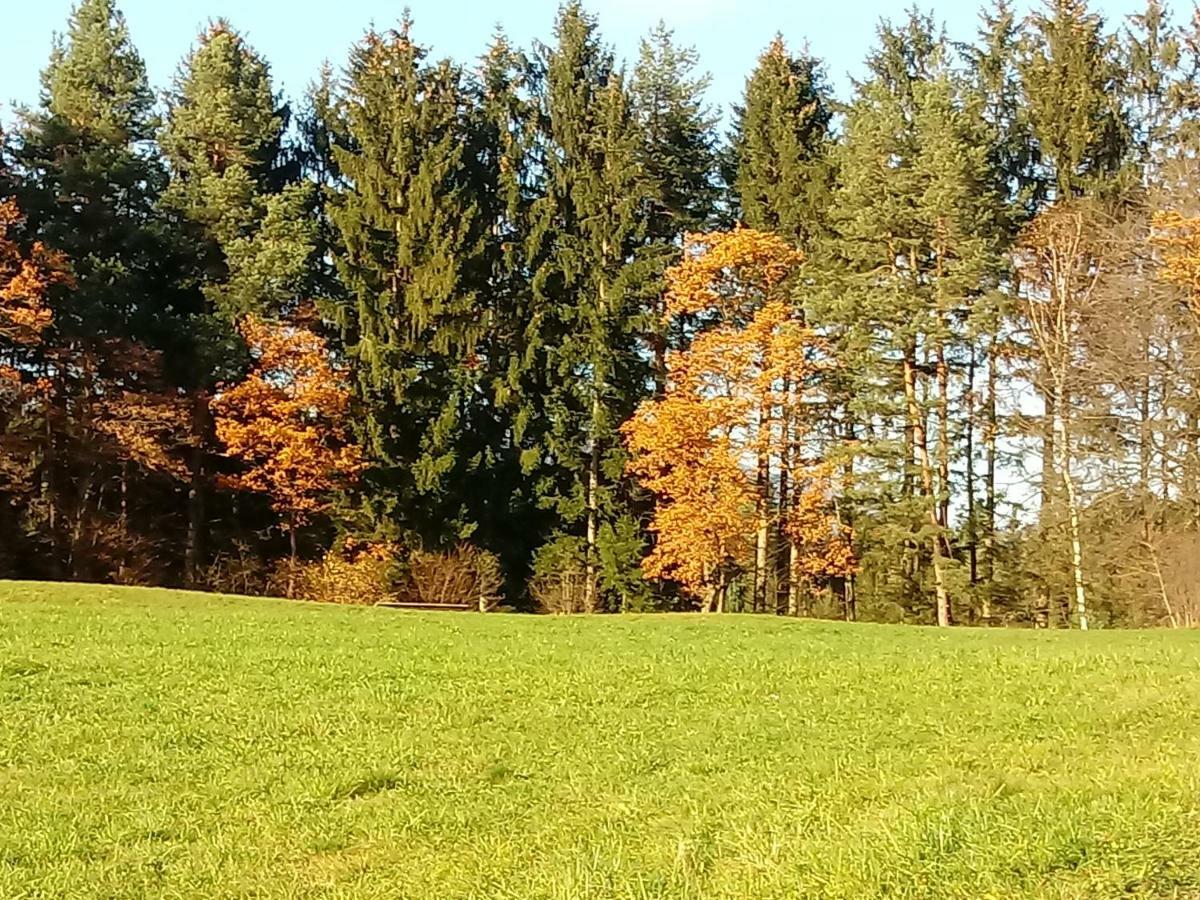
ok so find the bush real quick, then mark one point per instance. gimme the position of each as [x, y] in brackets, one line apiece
[465, 574]
[361, 574]
[239, 571]
[559, 583]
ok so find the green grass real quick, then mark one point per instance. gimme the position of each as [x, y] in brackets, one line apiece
[160, 744]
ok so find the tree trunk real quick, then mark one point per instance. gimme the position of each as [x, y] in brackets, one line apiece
[793, 586]
[917, 426]
[590, 587]
[943, 454]
[972, 525]
[1063, 459]
[197, 532]
[123, 522]
[989, 512]
[762, 512]
[291, 583]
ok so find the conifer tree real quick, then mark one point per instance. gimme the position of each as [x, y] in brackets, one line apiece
[679, 158]
[89, 181]
[247, 230]
[586, 227]
[778, 168]
[501, 163]
[1071, 86]
[912, 250]
[409, 241]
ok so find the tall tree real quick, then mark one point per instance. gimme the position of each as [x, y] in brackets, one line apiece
[245, 220]
[1071, 90]
[89, 178]
[679, 158]
[778, 168]
[587, 224]
[911, 253]
[410, 242]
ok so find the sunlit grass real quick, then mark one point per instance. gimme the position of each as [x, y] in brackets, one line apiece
[159, 744]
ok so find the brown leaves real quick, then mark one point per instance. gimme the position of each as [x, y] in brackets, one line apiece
[25, 282]
[287, 420]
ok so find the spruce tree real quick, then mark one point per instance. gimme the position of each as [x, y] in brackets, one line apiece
[233, 186]
[501, 165]
[1071, 89]
[778, 168]
[677, 150]
[409, 242]
[587, 226]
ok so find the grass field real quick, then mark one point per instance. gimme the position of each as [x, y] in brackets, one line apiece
[159, 744]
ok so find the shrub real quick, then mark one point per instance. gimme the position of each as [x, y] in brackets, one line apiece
[559, 583]
[354, 573]
[465, 574]
[239, 571]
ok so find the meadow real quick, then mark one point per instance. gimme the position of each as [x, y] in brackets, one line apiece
[165, 744]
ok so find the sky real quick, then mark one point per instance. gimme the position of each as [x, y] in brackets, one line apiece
[296, 36]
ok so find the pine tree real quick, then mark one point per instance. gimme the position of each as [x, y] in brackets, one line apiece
[586, 227]
[911, 252]
[507, 421]
[409, 241]
[778, 169]
[89, 182]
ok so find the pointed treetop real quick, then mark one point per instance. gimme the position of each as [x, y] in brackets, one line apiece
[96, 80]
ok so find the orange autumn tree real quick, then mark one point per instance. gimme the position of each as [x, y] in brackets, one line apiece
[287, 423]
[25, 282]
[26, 279]
[719, 449]
[1179, 238]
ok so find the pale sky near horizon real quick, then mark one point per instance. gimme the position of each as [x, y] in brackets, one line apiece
[296, 36]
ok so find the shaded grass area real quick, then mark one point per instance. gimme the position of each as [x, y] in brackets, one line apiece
[163, 744]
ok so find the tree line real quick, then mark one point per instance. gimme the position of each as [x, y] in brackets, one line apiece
[926, 353]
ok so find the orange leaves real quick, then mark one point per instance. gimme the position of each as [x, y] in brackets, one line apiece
[826, 544]
[736, 406]
[287, 420]
[1179, 237]
[25, 281]
[731, 273]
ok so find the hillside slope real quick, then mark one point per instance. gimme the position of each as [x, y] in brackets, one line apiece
[157, 743]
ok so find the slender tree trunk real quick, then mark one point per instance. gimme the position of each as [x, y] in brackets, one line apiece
[197, 533]
[783, 568]
[762, 512]
[917, 426]
[1063, 458]
[1048, 454]
[1145, 451]
[291, 584]
[989, 523]
[972, 524]
[794, 579]
[590, 588]
[1163, 593]
[123, 521]
[943, 424]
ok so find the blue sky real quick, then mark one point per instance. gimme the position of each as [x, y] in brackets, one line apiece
[297, 35]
